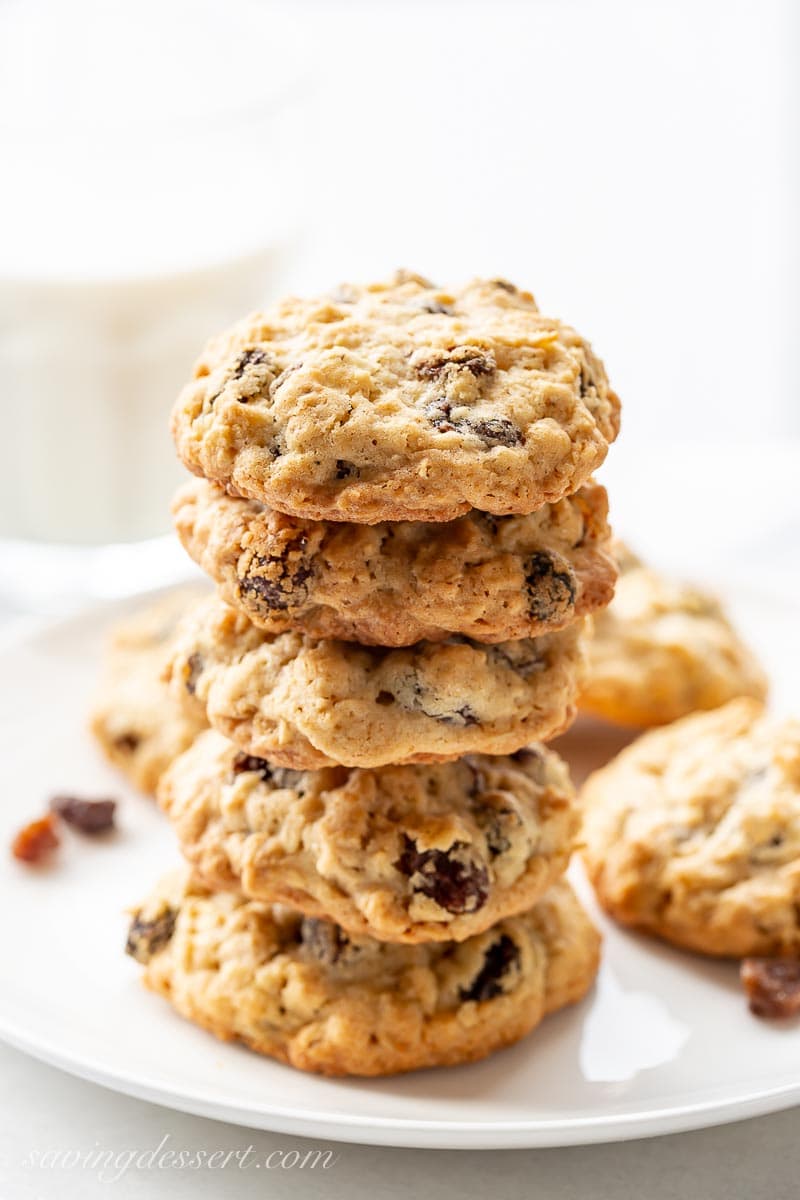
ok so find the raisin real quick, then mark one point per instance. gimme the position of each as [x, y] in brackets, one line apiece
[526, 757]
[460, 358]
[454, 885]
[478, 784]
[344, 469]
[248, 762]
[384, 698]
[500, 958]
[491, 822]
[325, 941]
[772, 986]
[496, 431]
[128, 743]
[282, 585]
[147, 936]
[433, 306]
[552, 592]
[281, 777]
[195, 668]
[586, 382]
[255, 368]
[36, 840]
[505, 285]
[439, 413]
[88, 816]
[250, 358]
[463, 716]
[522, 657]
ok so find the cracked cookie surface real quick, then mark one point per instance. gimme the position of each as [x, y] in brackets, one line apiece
[306, 703]
[489, 578]
[140, 727]
[693, 833]
[398, 401]
[663, 649]
[409, 854]
[303, 991]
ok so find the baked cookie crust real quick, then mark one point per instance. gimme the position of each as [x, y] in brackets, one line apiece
[138, 725]
[693, 833]
[398, 401]
[302, 991]
[407, 854]
[663, 649]
[492, 579]
[306, 703]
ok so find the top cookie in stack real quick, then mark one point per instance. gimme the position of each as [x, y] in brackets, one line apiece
[399, 402]
[398, 511]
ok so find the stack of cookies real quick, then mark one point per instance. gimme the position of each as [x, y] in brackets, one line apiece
[396, 506]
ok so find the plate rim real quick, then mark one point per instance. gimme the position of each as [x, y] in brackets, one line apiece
[408, 1133]
[401, 1132]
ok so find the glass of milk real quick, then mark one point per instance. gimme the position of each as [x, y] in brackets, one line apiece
[151, 157]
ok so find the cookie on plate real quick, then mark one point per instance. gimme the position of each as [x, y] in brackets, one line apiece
[303, 991]
[693, 832]
[407, 854]
[398, 401]
[663, 649]
[305, 703]
[493, 579]
[140, 727]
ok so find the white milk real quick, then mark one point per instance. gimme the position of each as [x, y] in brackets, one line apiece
[146, 203]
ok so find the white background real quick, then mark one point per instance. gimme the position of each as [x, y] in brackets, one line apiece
[636, 166]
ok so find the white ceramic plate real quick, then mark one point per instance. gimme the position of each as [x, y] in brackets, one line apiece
[664, 1043]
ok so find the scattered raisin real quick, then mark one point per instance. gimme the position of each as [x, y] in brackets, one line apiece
[454, 885]
[552, 592]
[433, 306]
[147, 937]
[36, 840]
[505, 285]
[500, 958]
[384, 698]
[88, 816]
[772, 986]
[344, 469]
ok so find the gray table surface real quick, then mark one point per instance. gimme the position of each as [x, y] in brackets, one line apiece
[45, 1112]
